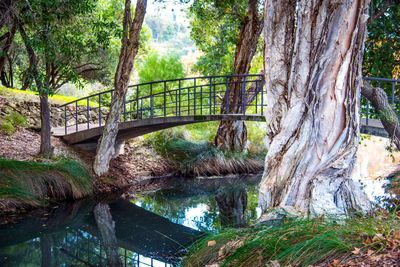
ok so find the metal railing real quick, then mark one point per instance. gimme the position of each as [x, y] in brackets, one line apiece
[392, 89]
[208, 95]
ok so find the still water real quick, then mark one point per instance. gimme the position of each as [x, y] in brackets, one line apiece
[152, 228]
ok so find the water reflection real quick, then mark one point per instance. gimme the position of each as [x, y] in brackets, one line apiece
[197, 203]
[155, 232]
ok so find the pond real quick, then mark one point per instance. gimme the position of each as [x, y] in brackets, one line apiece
[152, 228]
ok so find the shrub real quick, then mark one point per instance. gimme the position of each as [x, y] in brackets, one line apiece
[7, 127]
[16, 119]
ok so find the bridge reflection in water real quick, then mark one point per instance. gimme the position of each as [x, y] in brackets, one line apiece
[69, 236]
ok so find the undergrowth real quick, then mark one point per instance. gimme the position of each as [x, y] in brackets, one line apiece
[298, 242]
[32, 183]
[201, 158]
[11, 122]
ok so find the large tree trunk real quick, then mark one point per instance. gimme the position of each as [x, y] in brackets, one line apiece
[107, 230]
[129, 49]
[232, 135]
[379, 100]
[312, 61]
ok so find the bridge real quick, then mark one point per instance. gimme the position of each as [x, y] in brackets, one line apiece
[153, 106]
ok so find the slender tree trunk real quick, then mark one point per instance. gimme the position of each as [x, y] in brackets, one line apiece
[6, 47]
[107, 230]
[129, 49]
[45, 131]
[312, 60]
[232, 135]
[379, 100]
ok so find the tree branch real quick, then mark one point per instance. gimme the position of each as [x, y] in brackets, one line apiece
[379, 100]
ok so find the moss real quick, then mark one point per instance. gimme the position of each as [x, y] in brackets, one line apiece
[32, 183]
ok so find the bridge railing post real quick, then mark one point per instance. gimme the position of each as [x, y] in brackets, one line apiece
[76, 115]
[201, 99]
[179, 97]
[65, 119]
[165, 99]
[151, 101]
[210, 100]
[243, 95]
[262, 95]
[88, 113]
[100, 110]
[137, 102]
[194, 97]
[256, 92]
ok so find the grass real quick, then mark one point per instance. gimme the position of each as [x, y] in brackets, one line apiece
[57, 99]
[201, 158]
[298, 242]
[32, 184]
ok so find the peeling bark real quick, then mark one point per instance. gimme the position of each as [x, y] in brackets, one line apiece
[232, 135]
[312, 60]
[379, 100]
[129, 49]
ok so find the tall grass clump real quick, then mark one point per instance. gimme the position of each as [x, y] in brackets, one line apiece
[298, 242]
[31, 183]
[201, 158]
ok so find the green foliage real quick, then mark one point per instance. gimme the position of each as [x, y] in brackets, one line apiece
[382, 47]
[16, 119]
[215, 27]
[298, 242]
[31, 182]
[11, 121]
[7, 127]
[158, 67]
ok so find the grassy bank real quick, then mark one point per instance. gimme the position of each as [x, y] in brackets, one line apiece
[300, 242]
[190, 149]
[31, 184]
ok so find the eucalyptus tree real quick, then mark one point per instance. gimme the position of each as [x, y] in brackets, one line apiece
[313, 54]
[219, 28]
[129, 49]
